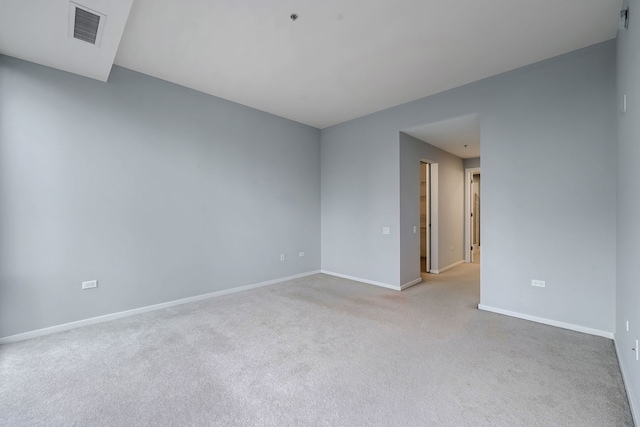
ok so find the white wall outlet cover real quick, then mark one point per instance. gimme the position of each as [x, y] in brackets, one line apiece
[90, 284]
[281, 257]
[301, 254]
[386, 230]
[415, 229]
[538, 283]
[627, 326]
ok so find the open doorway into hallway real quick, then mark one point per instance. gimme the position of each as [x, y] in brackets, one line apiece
[433, 237]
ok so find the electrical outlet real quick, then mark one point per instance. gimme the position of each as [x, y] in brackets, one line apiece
[301, 254]
[627, 326]
[281, 257]
[538, 283]
[90, 284]
[636, 349]
[386, 230]
[415, 229]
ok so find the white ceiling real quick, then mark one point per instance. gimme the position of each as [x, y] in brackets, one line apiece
[340, 60]
[452, 135]
[38, 31]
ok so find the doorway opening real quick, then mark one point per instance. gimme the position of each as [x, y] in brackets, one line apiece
[425, 218]
[475, 218]
[472, 215]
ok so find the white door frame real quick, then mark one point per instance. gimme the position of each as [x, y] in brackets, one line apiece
[468, 175]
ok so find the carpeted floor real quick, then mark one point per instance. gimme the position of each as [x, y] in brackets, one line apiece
[317, 351]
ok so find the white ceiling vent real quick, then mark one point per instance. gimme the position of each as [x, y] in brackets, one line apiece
[85, 24]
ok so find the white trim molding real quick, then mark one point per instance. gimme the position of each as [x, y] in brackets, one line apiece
[410, 284]
[358, 279]
[449, 267]
[632, 401]
[133, 312]
[372, 282]
[563, 325]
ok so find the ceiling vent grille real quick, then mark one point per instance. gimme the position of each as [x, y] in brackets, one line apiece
[85, 24]
[86, 27]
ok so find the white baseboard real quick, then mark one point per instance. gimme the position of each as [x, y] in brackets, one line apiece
[449, 267]
[410, 284]
[113, 316]
[358, 279]
[630, 396]
[550, 322]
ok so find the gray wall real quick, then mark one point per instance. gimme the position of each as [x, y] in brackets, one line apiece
[628, 228]
[157, 191]
[448, 235]
[472, 163]
[360, 195]
[548, 189]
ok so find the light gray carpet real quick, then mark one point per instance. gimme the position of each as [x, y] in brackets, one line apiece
[317, 351]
